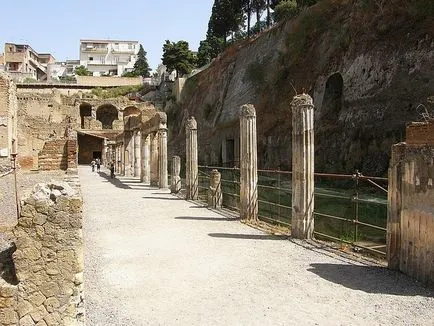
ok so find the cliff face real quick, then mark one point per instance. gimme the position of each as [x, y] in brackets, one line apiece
[368, 70]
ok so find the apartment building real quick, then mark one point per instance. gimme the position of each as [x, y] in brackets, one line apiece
[108, 57]
[22, 62]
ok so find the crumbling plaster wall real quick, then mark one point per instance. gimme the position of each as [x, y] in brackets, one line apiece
[8, 121]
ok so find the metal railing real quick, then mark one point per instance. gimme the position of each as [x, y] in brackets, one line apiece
[349, 208]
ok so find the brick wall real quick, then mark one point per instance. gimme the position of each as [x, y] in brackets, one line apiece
[59, 154]
[420, 133]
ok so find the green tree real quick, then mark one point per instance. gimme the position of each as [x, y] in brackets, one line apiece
[178, 57]
[141, 66]
[258, 6]
[82, 71]
[226, 17]
[285, 10]
[209, 49]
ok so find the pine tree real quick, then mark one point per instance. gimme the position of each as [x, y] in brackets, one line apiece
[141, 67]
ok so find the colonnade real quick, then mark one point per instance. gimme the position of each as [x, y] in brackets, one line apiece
[142, 153]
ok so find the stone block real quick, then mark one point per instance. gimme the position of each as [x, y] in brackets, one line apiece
[51, 304]
[7, 302]
[8, 316]
[53, 319]
[75, 204]
[50, 289]
[7, 290]
[39, 219]
[24, 307]
[32, 253]
[28, 211]
[25, 222]
[39, 313]
[37, 299]
[26, 321]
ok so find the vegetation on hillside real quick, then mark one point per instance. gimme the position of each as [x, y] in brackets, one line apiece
[115, 91]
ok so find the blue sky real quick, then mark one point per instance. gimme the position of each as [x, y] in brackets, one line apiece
[56, 26]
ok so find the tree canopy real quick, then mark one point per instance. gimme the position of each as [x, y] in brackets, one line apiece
[82, 71]
[141, 66]
[177, 56]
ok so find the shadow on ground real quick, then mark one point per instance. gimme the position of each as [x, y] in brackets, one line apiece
[204, 218]
[114, 181]
[249, 236]
[370, 279]
[162, 198]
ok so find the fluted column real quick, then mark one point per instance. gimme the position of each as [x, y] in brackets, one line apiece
[154, 160]
[248, 164]
[175, 179]
[302, 167]
[137, 149]
[191, 169]
[162, 158]
[146, 151]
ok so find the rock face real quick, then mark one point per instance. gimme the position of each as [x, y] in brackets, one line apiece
[48, 260]
[366, 70]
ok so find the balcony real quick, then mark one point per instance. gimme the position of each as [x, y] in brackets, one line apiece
[94, 50]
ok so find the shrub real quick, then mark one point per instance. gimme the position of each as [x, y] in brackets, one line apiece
[285, 10]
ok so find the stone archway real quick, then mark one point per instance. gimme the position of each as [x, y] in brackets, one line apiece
[106, 114]
[85, 111]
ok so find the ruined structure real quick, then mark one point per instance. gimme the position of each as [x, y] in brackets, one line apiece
[44, 283]
[410, 225]
[8, 122]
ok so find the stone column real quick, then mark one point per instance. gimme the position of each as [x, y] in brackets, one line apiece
[146, 150]
[104, 154]
[215, 197]
[302, 167]
[137, 150]
[248, 164]
[154, 160]
[175, 180]
[191, 169]
[162, 158]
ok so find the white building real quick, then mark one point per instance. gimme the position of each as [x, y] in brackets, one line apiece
[108, 57]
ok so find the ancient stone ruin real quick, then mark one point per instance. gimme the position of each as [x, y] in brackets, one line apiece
[43, 284]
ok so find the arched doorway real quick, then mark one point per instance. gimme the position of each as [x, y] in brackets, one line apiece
[107, 113]
[332, 100]
[85, 111]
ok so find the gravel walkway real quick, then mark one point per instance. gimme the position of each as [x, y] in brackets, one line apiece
[154, 259]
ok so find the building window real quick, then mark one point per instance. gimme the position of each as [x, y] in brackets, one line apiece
[102, 59]
[130, 46]
[116, 59]
[90, 58]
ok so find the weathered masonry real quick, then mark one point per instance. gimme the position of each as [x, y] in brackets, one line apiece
[410, 234]
[8, 122]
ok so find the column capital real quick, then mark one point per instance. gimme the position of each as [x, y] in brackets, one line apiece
[247, 110]
[191, 124]
[302, 100]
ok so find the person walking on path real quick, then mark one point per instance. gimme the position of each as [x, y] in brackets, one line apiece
[112, 170]
[92, 164]
[98, 165]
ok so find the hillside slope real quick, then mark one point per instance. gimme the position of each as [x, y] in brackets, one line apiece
[367, 70]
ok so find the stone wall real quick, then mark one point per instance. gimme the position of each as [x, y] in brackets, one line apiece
[108, 81]
[48, 260]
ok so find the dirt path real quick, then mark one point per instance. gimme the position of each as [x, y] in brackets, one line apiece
[154, 259]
